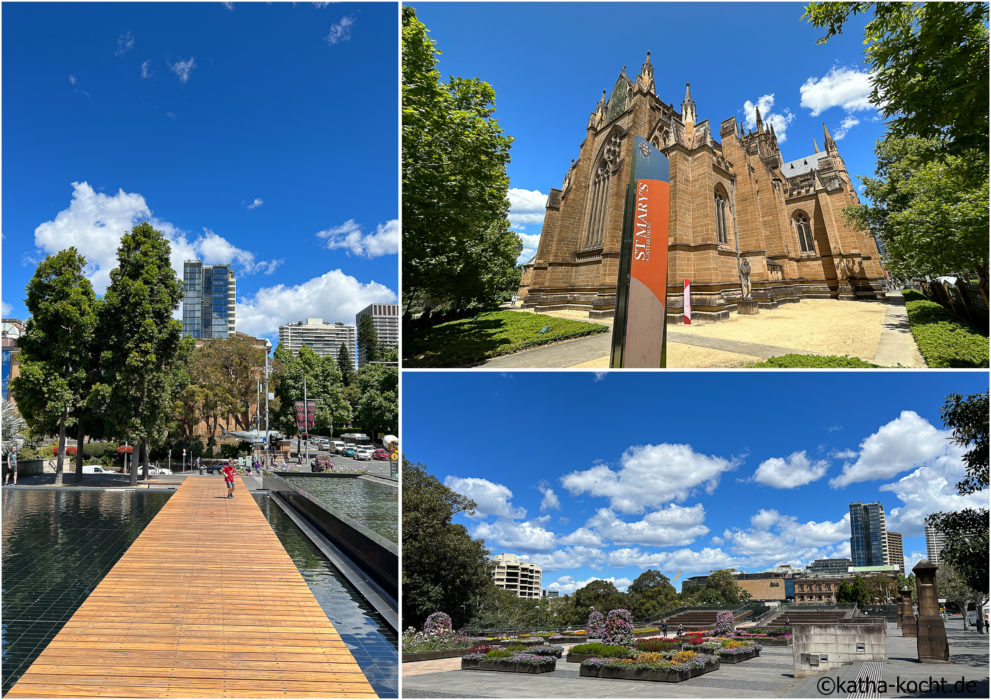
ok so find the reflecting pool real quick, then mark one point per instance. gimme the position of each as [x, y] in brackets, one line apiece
[372, 642]
[58, 544]
[374, 505]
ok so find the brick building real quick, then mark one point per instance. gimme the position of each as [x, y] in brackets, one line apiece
[734, 203]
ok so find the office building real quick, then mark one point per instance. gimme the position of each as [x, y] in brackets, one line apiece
[935, 541]
[895, 555]
[12, 330]
[512, 574]
[868, 534]
[385, 318]
[319, 336]
[209, 295]
[829, 567]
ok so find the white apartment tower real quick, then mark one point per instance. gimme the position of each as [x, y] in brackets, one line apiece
[512, 574]
[385, 318]
[935, 541]
[321, 337]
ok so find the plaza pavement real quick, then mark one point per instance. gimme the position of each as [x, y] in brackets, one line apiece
[874, 332]
[769, 675]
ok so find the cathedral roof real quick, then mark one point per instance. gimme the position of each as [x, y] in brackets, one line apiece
[800, 166]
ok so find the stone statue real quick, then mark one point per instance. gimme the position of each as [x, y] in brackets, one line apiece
[745, 277]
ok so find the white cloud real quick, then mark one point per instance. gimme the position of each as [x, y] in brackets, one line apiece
[929, 489]
[795, 470]
[491, 498]
[672, 525]
[384, 241]
[183, 69]
[6, 309]
[569, 558]
[530, 242]
[912, 559]
[229, 6]
[256, 203]
[688, 560]
[567, 585]
[779, 120]
[840, 87]
[906, 442]
[72, 79]
[146, 69]
[764, 519]
[599, 376]
[650, 475]
[848, 123]
[527, 536]
[582, 536]
[125, 42]
[333, 296]
[341, 31]
[776, 538]
[526, 207]
[550, 500]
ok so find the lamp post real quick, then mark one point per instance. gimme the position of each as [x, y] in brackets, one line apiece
[268, 435]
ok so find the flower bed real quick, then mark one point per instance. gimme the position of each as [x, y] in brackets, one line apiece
[592, 650]
[657, 644]
[411, 656]
[651, 667]
[738, 654]
[515, 663]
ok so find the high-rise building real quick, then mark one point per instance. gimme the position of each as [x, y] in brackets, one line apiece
[829, 567]
[209, 295]
[512, 574]
[12, 330]
[385, 318]
[868, 534]
[895, 555]
[321, 337]
[935, 541]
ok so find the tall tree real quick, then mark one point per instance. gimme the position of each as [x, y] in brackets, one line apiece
[346, 366]
[56, 348]
[651, 595]
[323, 384]
[443, 567]
[952, 586]
[143, 349]
[368, 338]
[378, 407]
[458, 249]
[966, 530]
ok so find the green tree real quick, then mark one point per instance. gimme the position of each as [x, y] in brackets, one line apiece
[907, 582]
[368, 339]
[323, 384]
[458, 249]
[651, 595]
[14, 427]
[143, 356]
[378, 407]
[854, 591]
[598, 594]
[966, 531]
[56, 348]
[346, 365]
[880, 588]
[443, 567]
[954, 587]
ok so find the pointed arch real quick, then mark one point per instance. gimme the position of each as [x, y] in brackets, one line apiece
[721, 202]
[800, 220]
[606, 166]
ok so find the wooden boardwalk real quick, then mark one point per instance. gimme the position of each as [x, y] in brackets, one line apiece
[205, 603]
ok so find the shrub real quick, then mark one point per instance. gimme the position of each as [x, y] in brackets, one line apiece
[605, 651]
[596, 625]
[725, 624]
[517, 647]
[547, 650]
[657, 644]
[437, 623]
[96, 450]
[793, 360]
[619, 627]
[323, 463]
[943, 340]
[499, 654]
[483, 648]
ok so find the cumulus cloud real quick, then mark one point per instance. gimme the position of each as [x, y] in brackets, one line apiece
[582, 536]
[840, 87]
[674, 472]
[125, 42]
[569, 558]
[526, 207]
[567, 585]
[795, 470]
[672, 525]
[530, 242]
[6, 309]
[341, 31]
[550, 500]
[688, 560]
[333, 296]
[527, 536]
[183, 69]
[848, 123]
[383, 241]
[146, 69]
[256, 203]
[775, 538]
[906, 442]
[779, 120]
[490, 498]
[926, 490]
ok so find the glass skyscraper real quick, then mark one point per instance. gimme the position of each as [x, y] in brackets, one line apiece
[208, 300]
[868, 534]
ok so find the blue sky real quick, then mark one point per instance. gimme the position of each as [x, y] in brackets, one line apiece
[262, 135]
[550, 62]
[604, 475]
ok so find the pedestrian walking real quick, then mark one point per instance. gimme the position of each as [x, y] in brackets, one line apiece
[258, 467]
[664, 628]
[229, 478]
[681, 630]
[11, 466]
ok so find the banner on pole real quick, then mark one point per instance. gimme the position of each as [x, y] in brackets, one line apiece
[306, 418]
[688, 302]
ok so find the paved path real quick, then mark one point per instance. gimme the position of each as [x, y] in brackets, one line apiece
[205, 603]
[897, 347]
[769, 675]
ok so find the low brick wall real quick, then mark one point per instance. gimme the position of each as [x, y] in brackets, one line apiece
[821, 647]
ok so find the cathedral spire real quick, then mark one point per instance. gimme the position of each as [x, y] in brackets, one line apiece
[814, 144]
[760, 122]
[645, 80]
[829, 144]
[688, 106]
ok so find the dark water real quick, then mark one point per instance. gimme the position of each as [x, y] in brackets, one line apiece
[370, 639]
[57, 546]
[376, 506]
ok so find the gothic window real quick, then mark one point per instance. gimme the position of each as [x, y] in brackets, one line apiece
[804, 233]
[720, 197]
[599, 194]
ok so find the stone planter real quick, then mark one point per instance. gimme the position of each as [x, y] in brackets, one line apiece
[514, 642]
[578, 658]
[775, 642]
[657, 676]
[737, 658]
[411, 656]
[507, 665]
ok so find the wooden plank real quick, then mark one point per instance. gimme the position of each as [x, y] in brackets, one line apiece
[238, 620]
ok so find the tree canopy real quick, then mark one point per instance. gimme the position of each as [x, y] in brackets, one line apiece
[458, 249]
[323, 384]
[368, 338]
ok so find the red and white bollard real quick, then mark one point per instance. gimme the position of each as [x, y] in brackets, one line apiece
[688, 302]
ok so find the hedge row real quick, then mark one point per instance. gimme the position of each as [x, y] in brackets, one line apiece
[943, 340]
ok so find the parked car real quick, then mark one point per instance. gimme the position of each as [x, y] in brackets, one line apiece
[363, 453]
[349, 450]
[337, 446]
[381, 454]
[96, 469]
[164, 470]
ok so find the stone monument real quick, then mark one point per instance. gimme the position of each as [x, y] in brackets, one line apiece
[746, 305]
[904, 606]
[931, 636]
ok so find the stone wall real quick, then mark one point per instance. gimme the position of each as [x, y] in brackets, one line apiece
[821, 647]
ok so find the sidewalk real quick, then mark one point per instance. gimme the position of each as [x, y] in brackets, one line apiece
[874, 332]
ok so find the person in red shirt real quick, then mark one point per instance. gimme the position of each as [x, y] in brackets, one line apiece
[229, 478]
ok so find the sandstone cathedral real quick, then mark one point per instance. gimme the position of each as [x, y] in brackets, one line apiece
[741, 218]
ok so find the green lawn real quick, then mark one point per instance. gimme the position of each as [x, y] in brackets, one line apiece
[792, 361]
[470, 341]
[943, 340]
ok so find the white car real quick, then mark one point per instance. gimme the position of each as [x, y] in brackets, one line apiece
[364, 453]
[337, 446]
[164, 470]
[96, 469]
